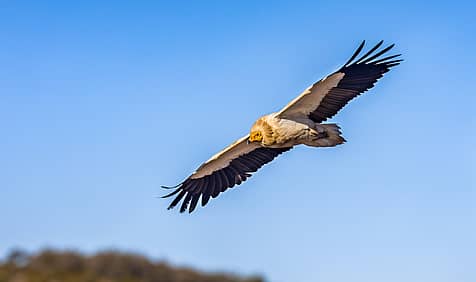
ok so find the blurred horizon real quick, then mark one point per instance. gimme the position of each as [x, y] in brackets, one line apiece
[108, 265]
[101, 103]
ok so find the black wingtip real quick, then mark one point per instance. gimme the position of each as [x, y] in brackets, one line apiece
[356, 53]
[376, 55]
[369, 52]
[177, 199]
[172, 193]
[394, 61]
[186, 202]
[171, 187]
[372, 57]
[383, 60]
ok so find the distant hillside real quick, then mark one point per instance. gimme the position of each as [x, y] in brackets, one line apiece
[109, 266]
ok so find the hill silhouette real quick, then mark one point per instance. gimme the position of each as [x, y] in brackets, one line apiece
[106, 266]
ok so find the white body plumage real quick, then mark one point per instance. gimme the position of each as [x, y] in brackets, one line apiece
[284, 132]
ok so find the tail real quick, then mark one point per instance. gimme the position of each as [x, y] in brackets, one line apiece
[333, 137]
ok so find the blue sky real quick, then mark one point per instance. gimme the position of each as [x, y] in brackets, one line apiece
[101, 103]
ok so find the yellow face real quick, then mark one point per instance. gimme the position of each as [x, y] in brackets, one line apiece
[255, 136]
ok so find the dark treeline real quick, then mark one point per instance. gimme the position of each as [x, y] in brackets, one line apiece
[108, 266]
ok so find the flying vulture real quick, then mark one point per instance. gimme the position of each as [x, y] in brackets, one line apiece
[299, 122]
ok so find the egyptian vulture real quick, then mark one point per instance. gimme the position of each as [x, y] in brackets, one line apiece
[300, 122]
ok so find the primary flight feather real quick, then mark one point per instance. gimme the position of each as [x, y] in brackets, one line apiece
[300, 122]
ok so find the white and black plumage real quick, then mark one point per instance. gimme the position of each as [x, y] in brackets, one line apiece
[300, 122]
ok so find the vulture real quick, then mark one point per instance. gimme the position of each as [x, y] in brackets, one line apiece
[299, 122]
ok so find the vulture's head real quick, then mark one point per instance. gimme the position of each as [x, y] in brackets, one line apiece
[262, 132]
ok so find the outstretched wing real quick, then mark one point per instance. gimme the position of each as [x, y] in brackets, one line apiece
[224, 170]
[326, 97]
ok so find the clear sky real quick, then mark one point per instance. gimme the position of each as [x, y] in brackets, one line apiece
[101, 103]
